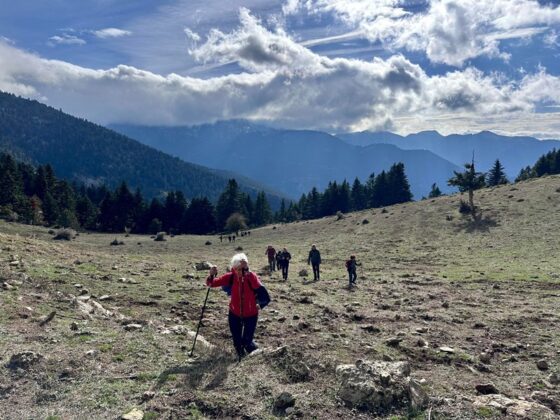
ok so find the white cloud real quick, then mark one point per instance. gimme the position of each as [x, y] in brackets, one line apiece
[65, 39]
[285, 82]
[449, 31]
[111, 33]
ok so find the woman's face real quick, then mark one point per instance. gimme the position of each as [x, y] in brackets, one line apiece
[242, 265]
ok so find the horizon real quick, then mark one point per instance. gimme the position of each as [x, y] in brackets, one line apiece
[407, 66]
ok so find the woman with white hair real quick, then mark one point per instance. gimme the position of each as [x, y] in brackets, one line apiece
[243, 309]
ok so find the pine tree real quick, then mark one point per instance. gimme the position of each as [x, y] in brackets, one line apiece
[358, 194]
[435, 191]
[199, 219]
[496, 176]
[398, 186]
[10, 182]
[468, 181]
[263, 214]
[228, 203]
[380, 193]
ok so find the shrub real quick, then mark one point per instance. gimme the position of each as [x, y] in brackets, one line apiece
[160, 237]
[464, 207]
[117, 242]
[208, 243]
[65, 235]
[365, 222]
[236, 222]
[339, 215]
[239, 248]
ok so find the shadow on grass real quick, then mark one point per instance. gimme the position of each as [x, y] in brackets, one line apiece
[207, 371]
[480, 223]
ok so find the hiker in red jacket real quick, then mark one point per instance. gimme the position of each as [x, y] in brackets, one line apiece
[243, 309]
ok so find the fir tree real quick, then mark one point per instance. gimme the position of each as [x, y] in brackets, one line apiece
[263, 214]
[358, 194]
[468, 181]
[398, 186]
[435, 191]
[228, 202]
[496, 176]
[199, 219]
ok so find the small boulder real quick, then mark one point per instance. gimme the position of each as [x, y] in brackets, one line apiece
[303, 273]
[486, 389]
[24, 360]
[283, 401]
[134, 414]
[203, 265]
[554, 378]
[133, 327]
[542, 364]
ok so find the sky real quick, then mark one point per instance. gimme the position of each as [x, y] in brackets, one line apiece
[455, 66]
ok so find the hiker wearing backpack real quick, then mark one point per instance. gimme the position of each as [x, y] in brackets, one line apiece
[314, 259]
[285, 258]
[246, 291]
[271, 254]
[351, 265]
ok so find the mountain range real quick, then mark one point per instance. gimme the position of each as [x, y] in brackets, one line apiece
[291, 161]
[81, 151]
[513, 152]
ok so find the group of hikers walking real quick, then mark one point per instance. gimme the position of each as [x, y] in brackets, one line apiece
[248, 295]
[278, 260]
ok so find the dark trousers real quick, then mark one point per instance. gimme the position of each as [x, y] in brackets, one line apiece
[352, 276]
[285, 268]
[316, 275]
[242, 333]
[271, 264]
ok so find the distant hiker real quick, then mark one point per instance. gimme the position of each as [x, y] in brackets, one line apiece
[221, 238]
[246, 288]
[314, 259]
[233, 237]
[278, 260]
[285, 262]
[271, 254]
[229, 238]
[351, 268]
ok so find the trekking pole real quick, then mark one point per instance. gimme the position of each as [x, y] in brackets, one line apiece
[199, 322]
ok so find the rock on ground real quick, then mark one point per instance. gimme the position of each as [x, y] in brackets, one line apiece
[379, 386]
[513, 407]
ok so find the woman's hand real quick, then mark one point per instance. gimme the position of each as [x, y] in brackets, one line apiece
[213, 271]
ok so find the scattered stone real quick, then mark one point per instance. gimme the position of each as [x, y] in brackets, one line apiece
[485, 357]
[445, 304]
[207, 243]
[370, 328]
[74, 326]
[486, 389]
[479, 325]
[160, 237]
[84, 292]
[91, 353]
[303, 273]
[188, 276]
[513, 408]
[105, 298]
[421, 343]
[24, 360]
[305, 300]
[148, 395]
[133, 327]
[365, 222]
[446, 349]
[554, 378]
[47, 318]
[203, 265]
[284, 401]
[542, 364]
[134, 414]
[418, 397]
[377, 386]
[393, 341]
[7, 286]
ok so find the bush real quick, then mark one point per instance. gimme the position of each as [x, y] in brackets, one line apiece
[339, 215]
[65, 235]
[236, 222]
[160, 237]
[365, 222]
[117, 242]
[239, 248]
[464, 207]
[208, 243]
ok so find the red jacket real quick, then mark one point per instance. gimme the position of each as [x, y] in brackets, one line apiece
[243, 302]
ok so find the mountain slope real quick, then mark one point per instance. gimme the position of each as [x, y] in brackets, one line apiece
[292, 161]
[86, 152]
[514, 152]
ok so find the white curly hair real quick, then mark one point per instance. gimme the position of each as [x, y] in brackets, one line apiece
[237, 258]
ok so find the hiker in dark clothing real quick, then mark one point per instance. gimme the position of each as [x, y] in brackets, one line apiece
[278, 260]
[221, 238]
[271, 254]
[351, 268]
[314, 259]
[243, 309]
[229, 238]
[285, 262]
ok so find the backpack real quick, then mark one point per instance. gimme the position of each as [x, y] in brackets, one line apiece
[261, 294]
[347, 264]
